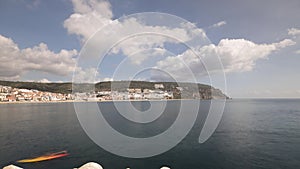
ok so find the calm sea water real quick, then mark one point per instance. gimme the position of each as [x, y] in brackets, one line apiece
[252, 134]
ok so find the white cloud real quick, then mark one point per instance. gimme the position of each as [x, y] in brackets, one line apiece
[155, 37]
[102, 7]
[88, 75]
[284, 43]
[297, 52]
[240, 55]
[106, 79]
[237, 55]
[294, 31]
[44, 81]
[89, 16]
[15, 61]
[219, 24]
[42, 59]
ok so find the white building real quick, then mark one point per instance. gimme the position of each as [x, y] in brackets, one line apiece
[159, 86]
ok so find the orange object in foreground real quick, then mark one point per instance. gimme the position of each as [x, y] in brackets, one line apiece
[45, 157]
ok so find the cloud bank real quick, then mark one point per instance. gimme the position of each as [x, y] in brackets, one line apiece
[91, 15]
[16, 62]
[237, 55]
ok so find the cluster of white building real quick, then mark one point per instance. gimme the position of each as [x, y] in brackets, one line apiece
[130, 94]
[9, 94]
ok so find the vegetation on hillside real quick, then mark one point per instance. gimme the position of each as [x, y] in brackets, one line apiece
[191, 90]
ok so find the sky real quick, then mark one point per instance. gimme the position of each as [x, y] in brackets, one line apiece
[255, 44]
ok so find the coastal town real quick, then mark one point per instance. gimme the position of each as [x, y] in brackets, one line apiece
[9, 94]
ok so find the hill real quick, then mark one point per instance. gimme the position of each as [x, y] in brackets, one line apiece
[180, 90]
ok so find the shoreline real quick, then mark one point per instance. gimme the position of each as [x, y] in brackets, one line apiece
[36, 102]
[83, 101]
[104, 101]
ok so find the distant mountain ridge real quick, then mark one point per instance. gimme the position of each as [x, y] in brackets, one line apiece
[180, 90]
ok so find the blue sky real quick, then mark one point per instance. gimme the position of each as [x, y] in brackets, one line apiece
[38, 43]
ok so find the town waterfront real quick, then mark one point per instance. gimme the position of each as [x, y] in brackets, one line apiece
[253, 133]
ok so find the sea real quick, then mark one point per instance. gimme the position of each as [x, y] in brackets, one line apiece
[252, 134]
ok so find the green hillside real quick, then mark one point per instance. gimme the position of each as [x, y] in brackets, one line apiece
[205, 91]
